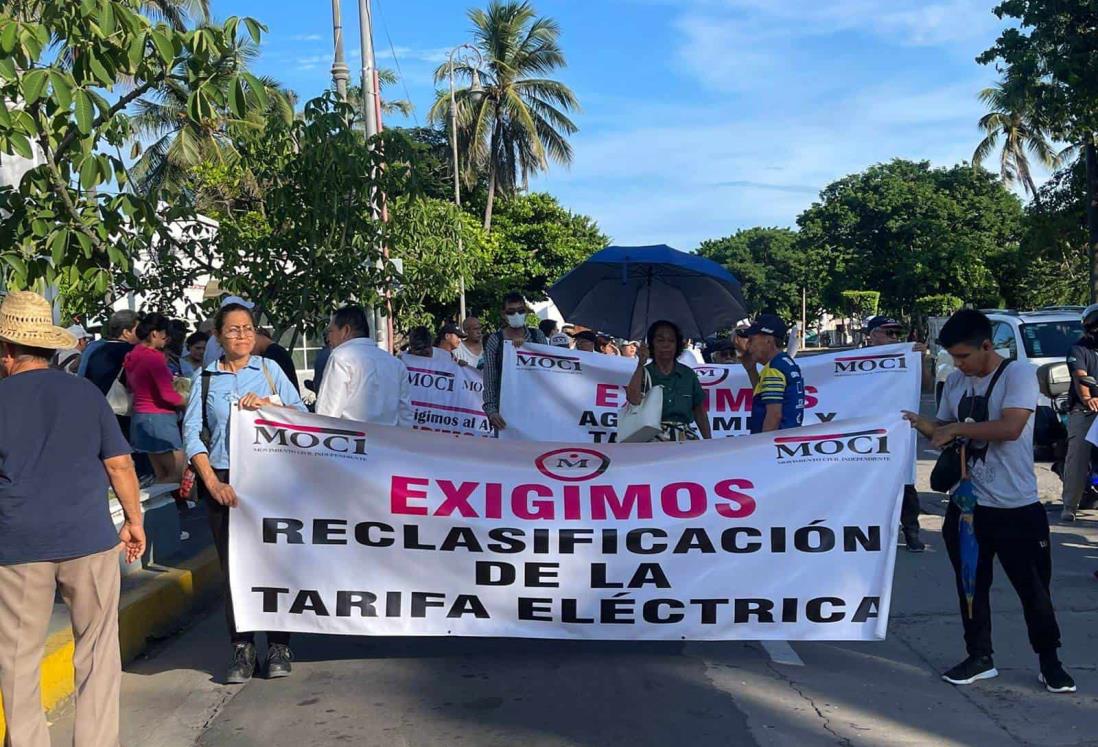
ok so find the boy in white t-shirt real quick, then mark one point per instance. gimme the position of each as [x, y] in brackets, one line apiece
[1008, 519]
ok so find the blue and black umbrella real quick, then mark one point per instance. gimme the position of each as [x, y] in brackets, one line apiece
[622, 289]
[965, 498]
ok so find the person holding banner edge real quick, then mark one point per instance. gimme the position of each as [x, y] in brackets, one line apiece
[683, 398]
[881, 330]
[250, 382]
[1008, 518]
[514, 318]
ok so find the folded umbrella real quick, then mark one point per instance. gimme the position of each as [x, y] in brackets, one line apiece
[965, 498]
[621, 290]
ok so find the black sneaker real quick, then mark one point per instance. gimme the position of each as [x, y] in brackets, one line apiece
[911, 539]
[243, 665]
[1055, 679]
[970, 670]
[278, 661]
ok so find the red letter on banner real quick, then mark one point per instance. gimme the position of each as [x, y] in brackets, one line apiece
[401, 492]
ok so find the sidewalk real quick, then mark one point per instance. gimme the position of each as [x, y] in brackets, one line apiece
[157, 593]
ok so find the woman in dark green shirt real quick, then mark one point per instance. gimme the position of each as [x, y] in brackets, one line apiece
[684, 416]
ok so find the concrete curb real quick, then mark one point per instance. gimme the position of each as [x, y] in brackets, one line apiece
[154, 607]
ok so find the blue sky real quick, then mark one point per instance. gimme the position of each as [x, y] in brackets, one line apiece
[700, 117]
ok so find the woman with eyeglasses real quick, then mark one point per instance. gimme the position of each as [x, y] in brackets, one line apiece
[250, 382]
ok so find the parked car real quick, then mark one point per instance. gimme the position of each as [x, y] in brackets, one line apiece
[1036, 337]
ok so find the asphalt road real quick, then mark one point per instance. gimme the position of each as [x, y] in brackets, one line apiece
[420, 691]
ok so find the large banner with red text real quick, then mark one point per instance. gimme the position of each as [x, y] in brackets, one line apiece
[366, 530]
[555, 394]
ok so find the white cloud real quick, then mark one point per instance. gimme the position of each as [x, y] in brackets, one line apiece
[307, 37]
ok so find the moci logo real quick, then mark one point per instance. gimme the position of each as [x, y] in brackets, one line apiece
[271, 435]
[833, 447]
[711, 375]
[572, 465]
[530, 361]
[867, 364]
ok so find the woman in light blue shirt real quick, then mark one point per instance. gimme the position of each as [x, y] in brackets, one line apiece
[251, 382]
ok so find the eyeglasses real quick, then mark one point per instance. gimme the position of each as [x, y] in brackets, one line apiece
[234, 333]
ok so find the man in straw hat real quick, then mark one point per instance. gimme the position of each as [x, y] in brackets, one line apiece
[62, 449]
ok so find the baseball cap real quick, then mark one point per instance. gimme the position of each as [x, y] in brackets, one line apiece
[586, 335]
[78, 332]
[723, 345]
[451, 329]
[237, 300]
[559, 340]
[881, 321]
[765, 324]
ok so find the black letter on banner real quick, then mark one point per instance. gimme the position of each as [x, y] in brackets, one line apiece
[598, 578]
[541, 575]
[468, 604]
[291, 528]
[825, 539]
[694, 538]
[853, 536]
[530, 607]
[709, 609]
[634, 541]
[308, 600]
[421, 600]
[362, 534]
[652, 611]
[730, 540]
[270, 597]
[461, 537]
[363, 601]
[763, 609]
[649, 573]
[484, 573]
[611, 614]
[870, 607]
[506, 540]
[324, 529]
[814, 611]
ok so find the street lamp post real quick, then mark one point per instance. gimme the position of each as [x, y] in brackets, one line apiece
[340, 71]
[454, 138]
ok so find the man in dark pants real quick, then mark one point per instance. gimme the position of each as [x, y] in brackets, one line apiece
[1082, 361]
[881, 330]
[989, 402]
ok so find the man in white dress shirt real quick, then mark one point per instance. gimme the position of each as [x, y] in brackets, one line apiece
[362, 381]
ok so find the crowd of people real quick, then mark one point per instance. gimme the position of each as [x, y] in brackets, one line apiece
[72, 411]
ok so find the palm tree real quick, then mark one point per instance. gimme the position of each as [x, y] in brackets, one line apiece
[518, 120]
[385, 78]
[1010, 118]
[181, 143]
[179, 14]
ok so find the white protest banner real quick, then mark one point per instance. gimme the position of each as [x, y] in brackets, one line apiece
[446, 397]
[551, 394]
[358, 529]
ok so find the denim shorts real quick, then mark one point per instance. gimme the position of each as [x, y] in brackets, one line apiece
[154, 433]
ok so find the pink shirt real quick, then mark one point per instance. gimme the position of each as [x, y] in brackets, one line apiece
[149, 379]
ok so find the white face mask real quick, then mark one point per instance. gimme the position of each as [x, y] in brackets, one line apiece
[516, 320]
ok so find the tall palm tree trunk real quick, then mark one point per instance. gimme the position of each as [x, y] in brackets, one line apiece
[1092, 215]
[493, 170]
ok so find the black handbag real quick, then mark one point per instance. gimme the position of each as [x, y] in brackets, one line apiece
[947, 470]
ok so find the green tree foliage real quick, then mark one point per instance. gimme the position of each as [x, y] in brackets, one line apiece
[296, 233]
[537, 242]
[771, 267]
[1049, 47]
[910, 230]
[515, 120]
[1050, 266]
[68, 72]
[941, 304]
[180, 142]
[861, 304]
[424, 236]
[1011, 118]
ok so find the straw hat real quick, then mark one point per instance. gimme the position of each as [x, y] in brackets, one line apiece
[27, 319]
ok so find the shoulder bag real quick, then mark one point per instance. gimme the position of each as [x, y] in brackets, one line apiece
[641, 423]
[947, 470]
